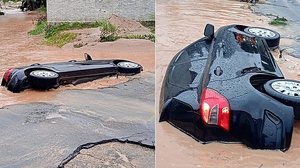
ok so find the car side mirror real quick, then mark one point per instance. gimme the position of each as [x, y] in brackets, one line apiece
[209, 31]
[87, 57]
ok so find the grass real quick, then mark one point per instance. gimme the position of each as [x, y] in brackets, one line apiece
[279, 21]
[150, 25]
[108, 32]
[60, 39]
[42, 9]
[11, 0]
[55, 34]
[53, 29]
[150, 37]
[40, 28]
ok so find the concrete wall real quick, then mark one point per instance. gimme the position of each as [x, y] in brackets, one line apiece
[92, 10]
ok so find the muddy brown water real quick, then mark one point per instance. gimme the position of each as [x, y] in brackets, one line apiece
[17, 48]
[180, 23]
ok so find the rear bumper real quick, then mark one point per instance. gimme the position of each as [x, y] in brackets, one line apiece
[267, 125]
[17, 83]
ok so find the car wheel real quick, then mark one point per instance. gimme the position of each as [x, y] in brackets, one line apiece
[284, 90]
[272, 37]
[129, 67]
[43, 79]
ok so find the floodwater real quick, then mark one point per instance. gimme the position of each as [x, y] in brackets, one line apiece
[180, 23]
[17, 48]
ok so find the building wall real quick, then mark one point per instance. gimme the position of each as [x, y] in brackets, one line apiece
[92, 10]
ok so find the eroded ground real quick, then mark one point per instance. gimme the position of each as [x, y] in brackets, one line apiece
[180, 23]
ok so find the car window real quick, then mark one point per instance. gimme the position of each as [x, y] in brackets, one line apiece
[266, 57]
[195, 51]
[236, 42]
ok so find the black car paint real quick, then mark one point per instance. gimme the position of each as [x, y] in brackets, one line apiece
[72, 72]
[235, 71]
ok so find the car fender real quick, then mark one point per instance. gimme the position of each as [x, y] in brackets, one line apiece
[18, 82]
[268, 124]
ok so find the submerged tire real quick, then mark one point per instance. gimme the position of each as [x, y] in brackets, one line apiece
[43, 79]
[129, 67]
[272, 37]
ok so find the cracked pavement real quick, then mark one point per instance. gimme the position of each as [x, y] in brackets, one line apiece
[43, 134]
[115, 155]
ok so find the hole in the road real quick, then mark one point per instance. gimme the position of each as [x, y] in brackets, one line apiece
[111, 153]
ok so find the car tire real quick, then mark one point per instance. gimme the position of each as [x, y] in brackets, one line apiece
[272, 37]
[277, 93]
[43, 79]
[129, 67]
[284, 90]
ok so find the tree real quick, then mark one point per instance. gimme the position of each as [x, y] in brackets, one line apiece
[33, 4]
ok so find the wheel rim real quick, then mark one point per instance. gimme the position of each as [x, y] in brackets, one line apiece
[44, 73]
[289, 88]
[128, 65]
[262, 32]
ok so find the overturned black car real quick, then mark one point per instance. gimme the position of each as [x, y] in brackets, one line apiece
[228, 87]
[47, 76]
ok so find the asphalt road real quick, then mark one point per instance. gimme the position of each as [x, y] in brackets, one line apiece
[44, 134]
[288, 9]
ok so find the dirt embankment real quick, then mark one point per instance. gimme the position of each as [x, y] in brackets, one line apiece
[20, 49]
[90, 37]
[180, 23]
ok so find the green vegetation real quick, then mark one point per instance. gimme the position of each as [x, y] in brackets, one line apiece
[150, 37]
[150, 25]
[40, 27]
[279, 21]
[53, 29]
[2, 13]
[60, 39]
[11, 0]
[33, 5]
[108, 32]
[55, 34]
[42, 9]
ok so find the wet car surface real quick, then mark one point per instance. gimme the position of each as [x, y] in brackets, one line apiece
[213, 91]
[46, 76]
[179, 24]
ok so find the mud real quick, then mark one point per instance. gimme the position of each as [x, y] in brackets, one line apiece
[180, 23]
[20, 49]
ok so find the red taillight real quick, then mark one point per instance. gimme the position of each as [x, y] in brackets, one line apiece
[7, 75]
[214, 109]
